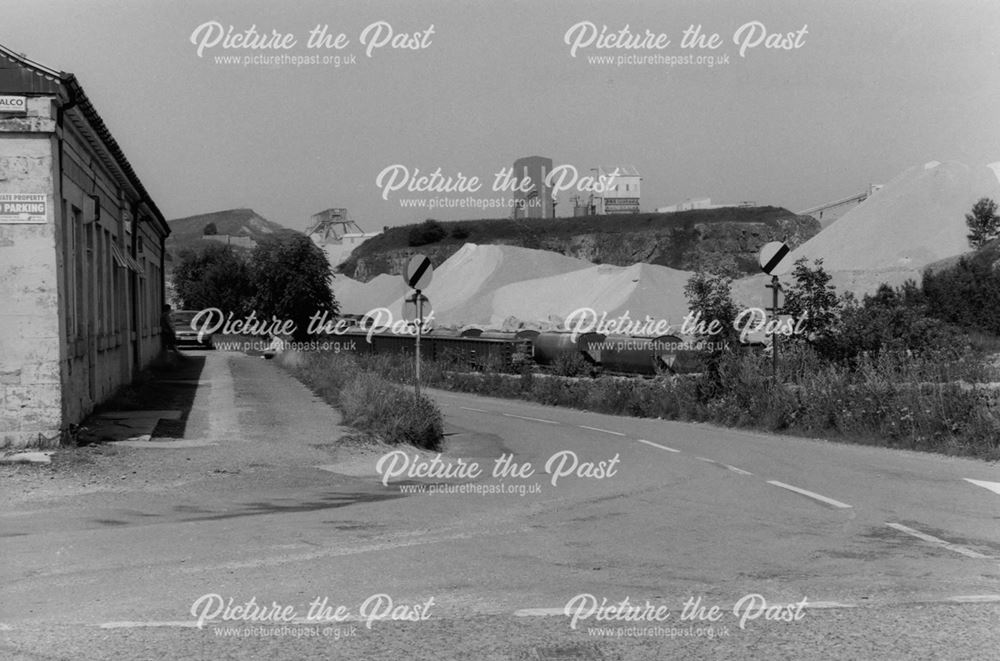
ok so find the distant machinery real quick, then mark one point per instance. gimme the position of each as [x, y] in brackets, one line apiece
[337, 234]
[331, 225]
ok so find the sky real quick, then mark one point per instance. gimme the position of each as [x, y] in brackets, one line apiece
[859, 92]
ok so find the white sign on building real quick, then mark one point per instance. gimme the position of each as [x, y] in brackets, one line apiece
[23, 208]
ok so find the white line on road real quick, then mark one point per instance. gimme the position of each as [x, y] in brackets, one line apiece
[930, 539]
[525, 417]
[606, 431]
[705, 459]
[539, 612]
[549, 612]
[135, 625]
[657, 445]
[737, 470]
[810, 494]
[469, 408]
[992, 486]
[975, 598]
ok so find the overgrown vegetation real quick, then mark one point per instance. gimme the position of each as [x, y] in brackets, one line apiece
[368, 401]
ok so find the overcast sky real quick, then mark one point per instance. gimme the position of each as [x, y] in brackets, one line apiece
[871, 89]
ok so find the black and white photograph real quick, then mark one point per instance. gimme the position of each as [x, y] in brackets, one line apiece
[594, 330]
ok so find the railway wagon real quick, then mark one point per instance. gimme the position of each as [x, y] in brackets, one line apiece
[551, 344]
[474, 352]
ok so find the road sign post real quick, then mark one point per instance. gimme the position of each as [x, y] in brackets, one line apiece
[420, 330]
[774, 262]
[417, 274]
[775, 287]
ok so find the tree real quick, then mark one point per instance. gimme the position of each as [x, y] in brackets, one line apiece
[216, 277]
[292, 279]
[710, 300]
[210, 230]
[812, 299]
[983, 222]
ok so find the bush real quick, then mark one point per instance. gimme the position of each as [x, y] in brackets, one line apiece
[429, 231]
[394, 414]
[460, 232]
[571, 364]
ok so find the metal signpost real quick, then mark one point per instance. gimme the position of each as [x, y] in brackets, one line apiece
[773, 261]
[418, 275]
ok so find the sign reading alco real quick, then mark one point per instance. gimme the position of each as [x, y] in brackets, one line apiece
[23, 208]
[13, 105]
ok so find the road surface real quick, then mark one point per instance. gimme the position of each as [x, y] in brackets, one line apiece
[725, 544]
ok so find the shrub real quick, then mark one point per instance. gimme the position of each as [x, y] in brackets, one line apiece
[429, 231]
[571, 363]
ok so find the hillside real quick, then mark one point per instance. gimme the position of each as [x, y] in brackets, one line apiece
[187, 233]
[676, 240]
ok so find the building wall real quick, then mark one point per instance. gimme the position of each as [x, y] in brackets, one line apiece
[95, 305]
[30, 393]
[75, 324]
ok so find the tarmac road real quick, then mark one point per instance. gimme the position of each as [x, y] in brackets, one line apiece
[853, 552]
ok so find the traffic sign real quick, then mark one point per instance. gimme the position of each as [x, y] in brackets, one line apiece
[774, 258]
[410, 307]
[418, 272]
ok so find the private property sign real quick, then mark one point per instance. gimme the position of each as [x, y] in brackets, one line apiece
[23, 208]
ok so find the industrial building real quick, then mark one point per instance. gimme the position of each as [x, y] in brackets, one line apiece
[81, 257]
[621, 190]
[534, 199]
[702, 203]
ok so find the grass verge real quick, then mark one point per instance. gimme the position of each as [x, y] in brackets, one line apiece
[369, 402]
[893, 401]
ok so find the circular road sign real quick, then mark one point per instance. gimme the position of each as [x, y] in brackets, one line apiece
[774, 258]
[418, 272]
[410, 307]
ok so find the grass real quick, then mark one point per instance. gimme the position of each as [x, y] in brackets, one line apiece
[369, 402]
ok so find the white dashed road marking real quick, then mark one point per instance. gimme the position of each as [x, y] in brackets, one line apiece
[810, 494]
[992, 486]
[657, 445]
[930, 539]
[737, 470]
[469, 408]
[525, 417]
[606, 431]
[976, 598]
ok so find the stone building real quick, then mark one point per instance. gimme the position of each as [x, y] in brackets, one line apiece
[81, 257]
